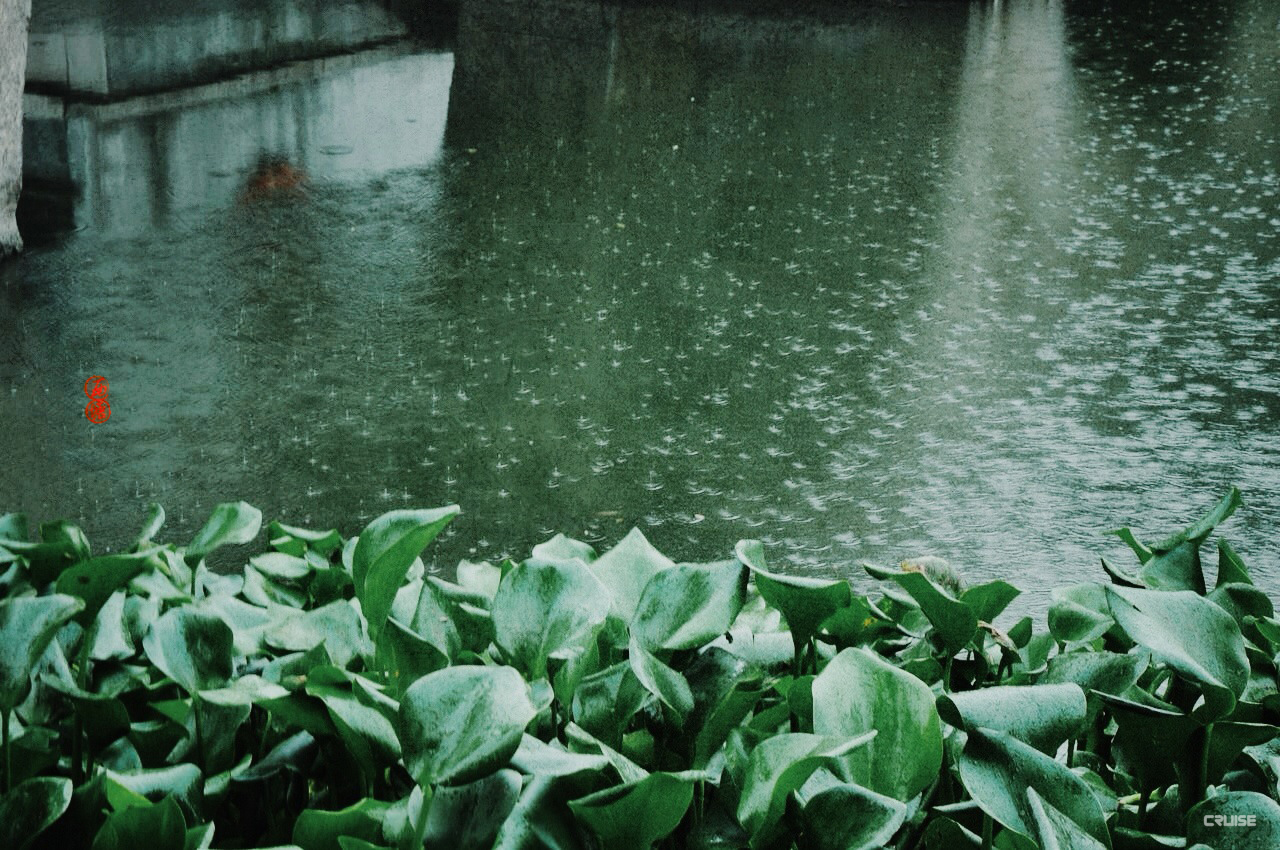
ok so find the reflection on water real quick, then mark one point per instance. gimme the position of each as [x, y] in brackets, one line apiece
[965, 280]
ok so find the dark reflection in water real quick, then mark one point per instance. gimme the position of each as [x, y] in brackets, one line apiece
[975, 281]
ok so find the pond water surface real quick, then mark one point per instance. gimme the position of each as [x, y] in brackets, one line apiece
[970, 280]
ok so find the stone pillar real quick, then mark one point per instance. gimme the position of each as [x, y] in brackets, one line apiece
[14, 18]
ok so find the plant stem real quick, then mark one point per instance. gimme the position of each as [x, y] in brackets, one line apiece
[988, 827]
[420, 827]
[1071, 750]
[946, 674]
[1143, 799]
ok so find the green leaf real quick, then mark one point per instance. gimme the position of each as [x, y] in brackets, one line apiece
[182, 783]
[192, 648]
[96, 579]
[858, 692]
[1192, 635]
[386, 549]
[564, 550]
[336, 625]
[688, 605]
[27, 625]
[625, 570]
[468, 817]
[1203, 527]
[1231, 568]
[150, 527]
[954, 621]
[997, 770]
[405, 656]
[320, 830]
[845, 816]
[535, 758]
[1043, 716]
[157, 827]
[282, 567]
[660, 680]
[230, 523]
[989, 600]
[1176, 569]
[547, 610]
[635, 815]
[725, 689]
[804, 602]
[1079, 613]
[1106, 672]
[779, 766]
[1055, 830]
[462, 723]
[62, 544]
[1235, 820]
[30, 808]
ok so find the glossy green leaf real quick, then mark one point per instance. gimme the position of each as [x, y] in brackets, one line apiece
[150, 526]
[804, 602]
[468, 817]
[1043, 716]
[316, 829]
[955, 622]
[1192, 635]
[660, 680]
[625, 570]
[989, 600]
[336, 625]
[1079, 613]
[1231, 568]
[230, 523]
[1176, 569]
[27, 625]
[156, 827]
[564, 550]
[30, 808]
[462, 723]
[96, 579]
[689, 605]
[387, 547]
[635, 815]
[61, 545]
[405, 656]
[858, 692]
[546, 610]
[535, 758]
[845, 816]
[1055, 830]
[997, 770]
[183, 783]
[725, 689]
[192, 648]
[1236, 820]
[1203, 527]
[778, 767]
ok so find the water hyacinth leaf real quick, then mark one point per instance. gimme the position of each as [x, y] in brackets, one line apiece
[385, 551]
[481, 578]
[1235, 820]
[989, 600]
[535, 758]
[541, 820]
[564, 550]
[1228, 740]
[846, 816]
[1107, 672]
[1231, 568]
[61, 545]
[324, 542]
[434, 623]
[405, 656]
[150, 526]
[954, 621]
[625, 570]
[1056, 831]
[725, 689]
[336, 625]
[944, 833]
[183, 783]
[111, 637]
[1242, 601]
[281, 567]
[96, 579]
[1192, 635]
[1148, 737]
[666, 684]
[1176, 569]
[191, 647]
[779, 766]
[316, 829]
[997, 769]
[1203, 527]
[1043, 716]
[230, 523]
[604, 702]
[462, 723]
[635, 815]
[688, 605]
[858, 692]
[27, 625]
[547, 610]
[804, 602]
[156, 827]
[218, 723]
[30, 808]
[1079, 613]
[468, 817]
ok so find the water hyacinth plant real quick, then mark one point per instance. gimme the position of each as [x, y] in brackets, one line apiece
[332, 695]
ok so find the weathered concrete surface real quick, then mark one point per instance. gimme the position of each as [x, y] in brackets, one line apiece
[14, 17]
